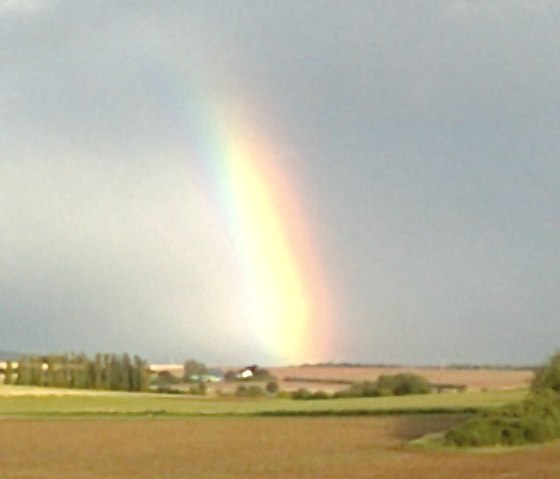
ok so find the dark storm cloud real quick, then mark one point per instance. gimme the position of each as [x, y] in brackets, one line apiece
[426, 135]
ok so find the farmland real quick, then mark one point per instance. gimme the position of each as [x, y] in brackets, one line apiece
[24, 401]
[86, 434]
[231, 448]
[472, 379]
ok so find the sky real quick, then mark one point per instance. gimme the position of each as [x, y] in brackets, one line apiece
[278, 182]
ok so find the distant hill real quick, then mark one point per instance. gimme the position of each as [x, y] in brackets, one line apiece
[9, 355]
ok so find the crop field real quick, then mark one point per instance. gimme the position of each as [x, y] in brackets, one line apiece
[59, 434]
[19, 400]
[235, 447]
[473, 379]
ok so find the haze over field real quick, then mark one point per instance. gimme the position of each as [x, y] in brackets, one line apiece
[276, 182]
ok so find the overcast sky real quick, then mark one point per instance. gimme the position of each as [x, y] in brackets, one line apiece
[424, 137]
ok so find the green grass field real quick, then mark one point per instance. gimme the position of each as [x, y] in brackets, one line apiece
[146, 404]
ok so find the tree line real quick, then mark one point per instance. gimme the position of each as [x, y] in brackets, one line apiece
[103, 371]
[534, 420]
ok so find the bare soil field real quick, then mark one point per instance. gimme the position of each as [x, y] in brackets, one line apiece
[474, 379]
[232, 448]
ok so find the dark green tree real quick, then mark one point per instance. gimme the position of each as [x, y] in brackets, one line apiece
[50, 364]
[548, 376]
[65, 377]
[78, 371]
[126, 373]
[9, 373]
[272, 387]
[140, 375]
[114, 373]
[36, 371]
[97, 372]
[192, 370]
[402, 384]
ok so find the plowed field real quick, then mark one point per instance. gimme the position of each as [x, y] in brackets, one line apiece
[232, 448]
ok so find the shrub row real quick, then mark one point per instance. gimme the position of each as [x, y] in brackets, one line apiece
[304, 394]
[388, 385]
[535, 420]
[271, 388]
[395, 385]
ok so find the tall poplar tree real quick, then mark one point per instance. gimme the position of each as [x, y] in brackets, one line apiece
[9, 373]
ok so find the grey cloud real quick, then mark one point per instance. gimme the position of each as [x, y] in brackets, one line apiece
[424, 135]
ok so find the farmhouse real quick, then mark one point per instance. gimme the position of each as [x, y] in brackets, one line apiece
[246, 373]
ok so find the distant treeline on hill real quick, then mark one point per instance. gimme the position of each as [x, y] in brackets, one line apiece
[505, 367]
[104, 371]
[298, 379]
[500, 367]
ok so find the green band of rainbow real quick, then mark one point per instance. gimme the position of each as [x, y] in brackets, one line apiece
[281, 288]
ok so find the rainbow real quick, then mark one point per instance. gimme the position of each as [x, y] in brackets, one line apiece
[285, 289]
[281, 287]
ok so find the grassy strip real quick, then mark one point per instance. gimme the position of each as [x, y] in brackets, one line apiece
[177, 406]
[368, 412]
[272, 413]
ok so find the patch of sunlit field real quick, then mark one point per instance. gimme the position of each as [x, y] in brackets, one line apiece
[475, 379]
[115, 403]
[255, 447]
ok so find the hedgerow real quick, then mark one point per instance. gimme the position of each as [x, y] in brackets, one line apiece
[535, 420]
